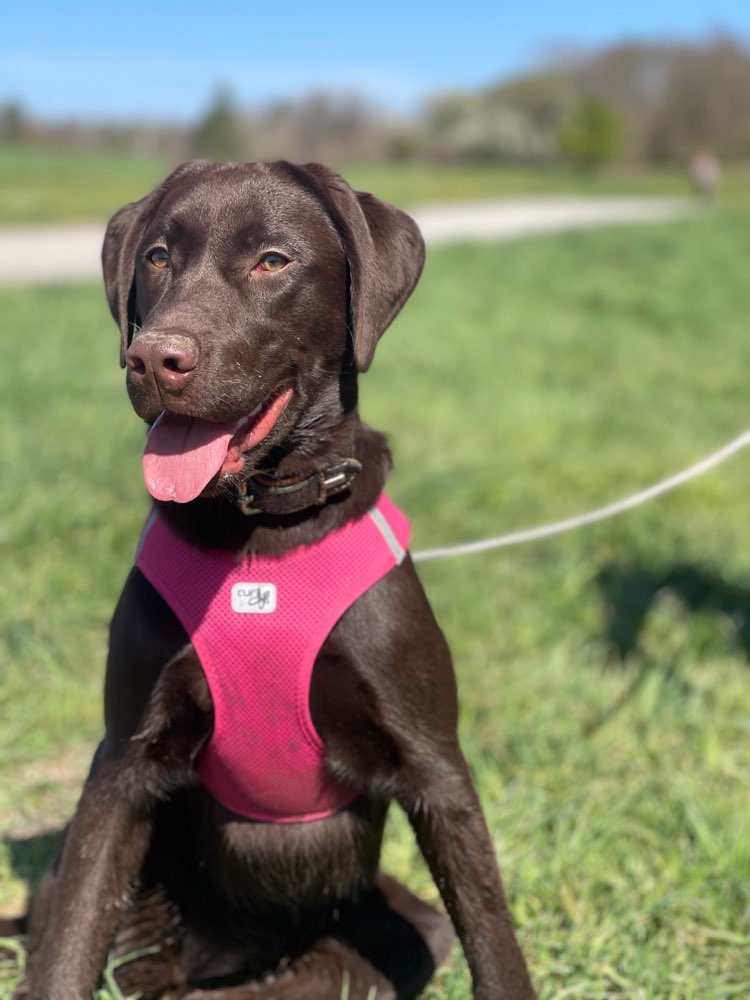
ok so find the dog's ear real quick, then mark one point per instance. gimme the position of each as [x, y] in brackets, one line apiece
[121, 241]
[118, 263]
[385, 253]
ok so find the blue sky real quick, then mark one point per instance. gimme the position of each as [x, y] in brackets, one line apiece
[162, 60]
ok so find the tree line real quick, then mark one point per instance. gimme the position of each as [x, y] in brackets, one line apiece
[639, 102]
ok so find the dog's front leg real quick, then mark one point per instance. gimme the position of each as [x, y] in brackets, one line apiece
[453, 836]
[390, 723]
[102, 854]
[109, 836]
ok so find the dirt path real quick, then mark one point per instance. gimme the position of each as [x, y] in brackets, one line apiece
[38, 254]
[515, 218]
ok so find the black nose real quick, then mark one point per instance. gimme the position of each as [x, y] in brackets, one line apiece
[168, 359]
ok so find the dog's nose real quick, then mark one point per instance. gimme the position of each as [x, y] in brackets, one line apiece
[167, 358]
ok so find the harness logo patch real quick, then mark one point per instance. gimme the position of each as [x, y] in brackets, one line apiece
[254, 598]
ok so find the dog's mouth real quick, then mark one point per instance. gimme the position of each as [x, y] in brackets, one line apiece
[183, 454]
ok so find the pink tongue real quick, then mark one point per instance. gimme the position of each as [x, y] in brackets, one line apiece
[182, 455]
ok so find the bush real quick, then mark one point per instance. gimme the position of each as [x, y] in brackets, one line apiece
[592, 135]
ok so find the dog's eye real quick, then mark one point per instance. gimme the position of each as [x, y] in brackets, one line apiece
[159, 258]
[271, 262]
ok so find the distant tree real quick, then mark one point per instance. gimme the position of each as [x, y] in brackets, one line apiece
[402, 143]
[706, 103]
[592, 135]
[14, 124]
[487, 126]
[218, 135]
[325, 126]
[545, 98]
[674, 98]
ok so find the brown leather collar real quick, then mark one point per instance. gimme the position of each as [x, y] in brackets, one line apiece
[266, 493]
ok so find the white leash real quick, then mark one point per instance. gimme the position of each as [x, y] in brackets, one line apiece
[593, 516]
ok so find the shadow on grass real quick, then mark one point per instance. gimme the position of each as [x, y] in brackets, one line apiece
[29, 859]
[631, 593]
[30, 856]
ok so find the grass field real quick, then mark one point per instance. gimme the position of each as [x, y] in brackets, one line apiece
[524, 382]
[62, 186]
[38, 185]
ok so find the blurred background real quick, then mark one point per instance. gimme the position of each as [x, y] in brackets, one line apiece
[605, 704]
[642, 95]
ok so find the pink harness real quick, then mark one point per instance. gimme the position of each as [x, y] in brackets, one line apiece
[257, 624]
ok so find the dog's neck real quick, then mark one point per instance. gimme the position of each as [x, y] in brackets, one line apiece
[219, 522]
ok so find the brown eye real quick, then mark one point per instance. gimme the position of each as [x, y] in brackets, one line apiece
[271, 262]
[159, 258]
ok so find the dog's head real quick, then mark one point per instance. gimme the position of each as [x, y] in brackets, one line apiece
[248, 297]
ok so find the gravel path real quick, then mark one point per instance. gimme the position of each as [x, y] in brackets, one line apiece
[37, 254]
[515, 218]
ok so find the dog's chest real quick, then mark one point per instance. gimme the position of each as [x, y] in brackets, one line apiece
[257, 625]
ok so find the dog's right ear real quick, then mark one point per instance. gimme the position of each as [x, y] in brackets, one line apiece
[121, 241]
[118, 263]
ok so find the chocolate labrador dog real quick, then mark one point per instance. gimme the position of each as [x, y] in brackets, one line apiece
[227, 838]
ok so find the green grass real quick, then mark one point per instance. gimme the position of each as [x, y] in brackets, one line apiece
[524, 382]
[415, 183]
[47, 185]
[39, 185]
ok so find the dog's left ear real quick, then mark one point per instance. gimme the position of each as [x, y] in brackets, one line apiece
[385, 252]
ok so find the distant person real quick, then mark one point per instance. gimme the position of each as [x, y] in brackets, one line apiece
[705, 172]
